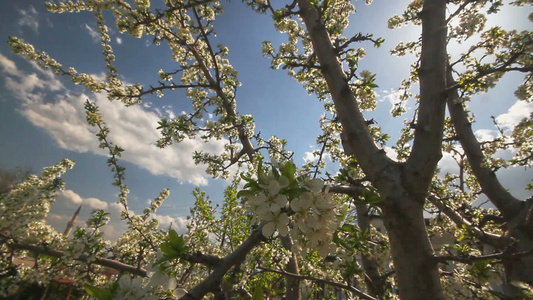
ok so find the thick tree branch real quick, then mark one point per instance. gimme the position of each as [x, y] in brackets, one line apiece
[293, 284]
[351, 289]
[426, 151]
[353, 191]
[490, 185]
[200, 258]
[212, 283]
[486, 237]
[356, 137]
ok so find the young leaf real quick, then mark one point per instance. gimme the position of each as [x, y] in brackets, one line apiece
[98, 293]
[288, 171]
[169, 251]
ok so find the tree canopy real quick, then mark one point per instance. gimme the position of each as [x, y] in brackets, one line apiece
[387, 224]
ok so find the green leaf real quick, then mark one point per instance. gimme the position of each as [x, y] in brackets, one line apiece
[277, 15]
[98, 293]
[349, 228]
[175, 240]
[258, 293]
[169, 251]
[295, 192]
[288, 171]
[246, 178]
[244, 193]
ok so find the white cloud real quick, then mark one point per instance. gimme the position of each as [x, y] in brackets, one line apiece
[112, 232]
[447, 164]
[116, 227]
[394, 97]
[57, 218]
[515, 114]
[179, 224]
[8, 65]
[391, 153]
[28, 86]
[484, 135]
[119, 40]
[29, 18]
[95, 35]
[132, 128]
[170, 113]
[310, 156]
[95, 203]
[70, 197]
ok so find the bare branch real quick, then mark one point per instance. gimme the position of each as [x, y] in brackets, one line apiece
[353, 191]
[487, 237]
[470, 259]
[351, 289]
[212, 283]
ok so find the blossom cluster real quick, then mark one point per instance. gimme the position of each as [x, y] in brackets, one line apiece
[297, 206]
[25, 207]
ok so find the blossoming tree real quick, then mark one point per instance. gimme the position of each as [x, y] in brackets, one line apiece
[286, 232]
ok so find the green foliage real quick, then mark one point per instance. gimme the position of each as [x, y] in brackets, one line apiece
[174, 246]
[99, 293]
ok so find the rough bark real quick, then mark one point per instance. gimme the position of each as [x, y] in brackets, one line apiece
[416, 271]
[417, 274]
[426, 151]
[506, 203]
[293, 283]
[514, 211]
[403, 186]
[373, 280]
[356, 138]
[212, 283]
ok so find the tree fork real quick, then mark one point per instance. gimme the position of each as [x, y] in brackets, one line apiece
[404, 187]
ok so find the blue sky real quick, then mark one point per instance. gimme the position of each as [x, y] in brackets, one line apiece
[42, 120]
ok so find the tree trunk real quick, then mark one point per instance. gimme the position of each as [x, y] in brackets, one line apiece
[415, 268]
[292, 290]
[404, 187]
[373, 280]
[519, 269]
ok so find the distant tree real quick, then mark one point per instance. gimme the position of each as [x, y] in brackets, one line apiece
[307, 231]
[10, 178]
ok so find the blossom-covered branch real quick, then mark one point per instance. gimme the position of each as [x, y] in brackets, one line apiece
[105, 262]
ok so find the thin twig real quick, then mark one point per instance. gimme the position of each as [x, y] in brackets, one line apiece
[351, 289]
[470, 259]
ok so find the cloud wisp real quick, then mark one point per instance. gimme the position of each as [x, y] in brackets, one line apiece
[70, 197]
[68, 201]
[48, 104]
[518, 111]
[95, 35]
[29, 18]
